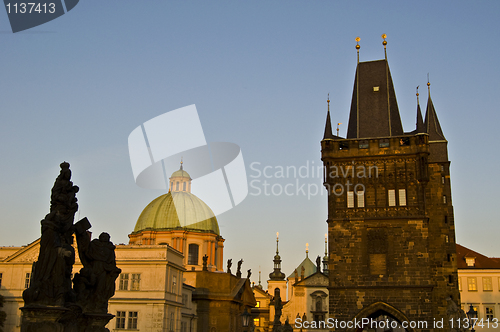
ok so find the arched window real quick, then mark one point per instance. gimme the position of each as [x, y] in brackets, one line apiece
[177, 186]
[184, 186]
[193, 254]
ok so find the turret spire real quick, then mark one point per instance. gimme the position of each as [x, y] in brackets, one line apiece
[432, 126]
[420, 122]
[328, 127]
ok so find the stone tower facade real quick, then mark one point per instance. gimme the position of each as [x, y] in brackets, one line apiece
[391, 233]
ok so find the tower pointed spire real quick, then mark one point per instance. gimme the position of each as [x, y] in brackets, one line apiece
[277, 274]
[328, 127]
[374, 108]
[432, 126]
[420, 122]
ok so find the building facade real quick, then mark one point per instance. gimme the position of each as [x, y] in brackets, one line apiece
[149, 296]
[390, 216]
[479, 284]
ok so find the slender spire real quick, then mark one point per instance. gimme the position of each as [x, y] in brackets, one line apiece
[277, 274]
[325, 258]
[420, 121]
[432, 126]
[181, 163]
[328, 127]
[259, 278]
[277, 241]
[384, 36]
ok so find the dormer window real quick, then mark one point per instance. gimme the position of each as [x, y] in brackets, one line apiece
[470, 261]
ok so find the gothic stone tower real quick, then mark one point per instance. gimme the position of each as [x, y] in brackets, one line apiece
[390, 215]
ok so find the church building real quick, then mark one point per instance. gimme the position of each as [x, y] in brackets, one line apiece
[391, 233]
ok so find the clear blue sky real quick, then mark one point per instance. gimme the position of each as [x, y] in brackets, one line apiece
[259, 73]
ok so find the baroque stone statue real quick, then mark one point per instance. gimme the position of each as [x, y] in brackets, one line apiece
[51, 303]
[95, 283]
[51, 273]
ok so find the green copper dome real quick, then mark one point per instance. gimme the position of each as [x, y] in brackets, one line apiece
[177, 210]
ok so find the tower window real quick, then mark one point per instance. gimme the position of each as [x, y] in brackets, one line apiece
[392, 197]
[350, 199]
[193, 254]
[177, 185]
[184, 186]
[361, 198]
[443, 180]
[444, 199]
[364, 145]
[383, 143]
[402, 197]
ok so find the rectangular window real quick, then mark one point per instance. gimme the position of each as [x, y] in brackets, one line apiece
[350, 199]
[472, 284]
[487, 284]
[402, 197]
[257, 305]
[383, 143]
[442, 180]
[256, 322]
[123, 281]
[132, 320]
[136, 280]
[120, 319]
[361, 198]
[459, 284]
[490, 312]
[183, 327]
[27, 280]
[392, 197]
[444, 199]
[174, 284]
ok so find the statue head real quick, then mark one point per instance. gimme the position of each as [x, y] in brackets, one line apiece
[104, 237]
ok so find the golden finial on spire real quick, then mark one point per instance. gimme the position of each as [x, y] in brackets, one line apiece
[384, 36]
[428, 83]
[328, 101]
[181, 162]
[357, 46]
